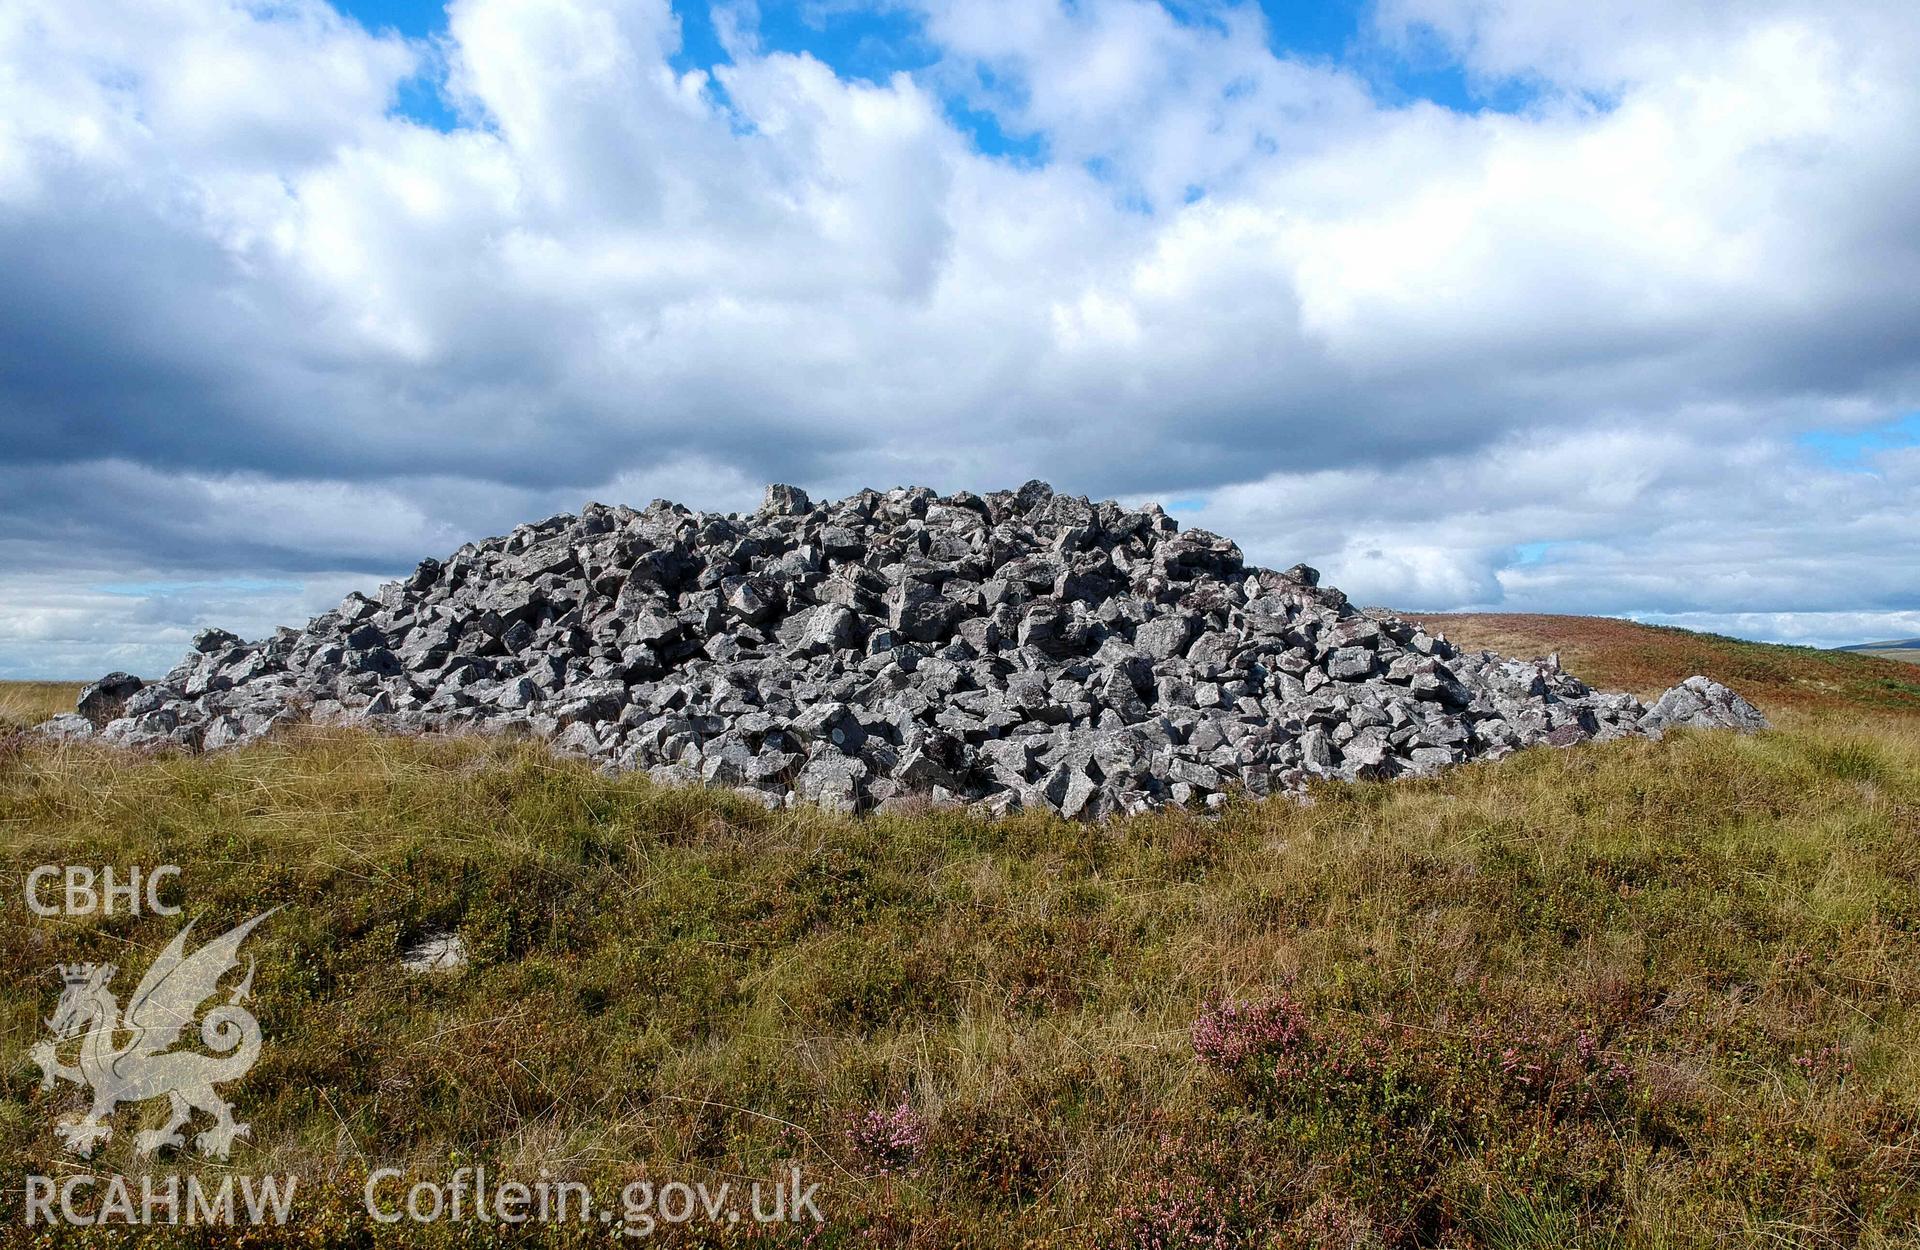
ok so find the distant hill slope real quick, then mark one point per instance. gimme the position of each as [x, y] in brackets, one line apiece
[1905, 650]
[1646, 659]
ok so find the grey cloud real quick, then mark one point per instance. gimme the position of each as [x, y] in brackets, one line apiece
[241, 341]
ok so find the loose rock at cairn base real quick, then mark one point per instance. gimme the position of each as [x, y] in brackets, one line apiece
[1017, 649]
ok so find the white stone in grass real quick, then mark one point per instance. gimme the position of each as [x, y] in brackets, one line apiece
[435, 952]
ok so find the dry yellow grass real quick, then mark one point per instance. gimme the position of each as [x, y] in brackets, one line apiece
[1636, 994]
[24, 703]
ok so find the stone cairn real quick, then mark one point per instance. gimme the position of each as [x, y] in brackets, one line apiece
[1022, 649]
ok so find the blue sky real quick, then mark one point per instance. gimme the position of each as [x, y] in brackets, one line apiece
[866, 43]
[1858, 449]
[414, 20]
[869, 43]
[1545, 307]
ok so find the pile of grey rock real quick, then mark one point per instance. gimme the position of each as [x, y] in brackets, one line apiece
[1017, 649]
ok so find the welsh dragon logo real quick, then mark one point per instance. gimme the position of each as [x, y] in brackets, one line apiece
[143, 1067]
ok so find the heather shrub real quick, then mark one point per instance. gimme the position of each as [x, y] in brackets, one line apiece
[1208, 1185]
[1002, 1155]
[1232, 1036]
[888, 1139]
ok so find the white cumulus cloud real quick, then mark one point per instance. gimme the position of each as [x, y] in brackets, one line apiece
[263, 329]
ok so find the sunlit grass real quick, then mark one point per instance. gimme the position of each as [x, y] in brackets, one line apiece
[679, 980]
[24, 703]
[1635, 994]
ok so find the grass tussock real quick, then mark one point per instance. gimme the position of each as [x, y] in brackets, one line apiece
[1633, 995]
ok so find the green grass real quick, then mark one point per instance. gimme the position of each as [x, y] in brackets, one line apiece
[1641, 994]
